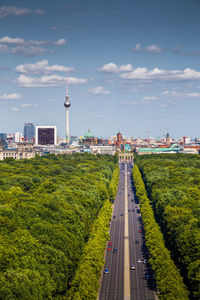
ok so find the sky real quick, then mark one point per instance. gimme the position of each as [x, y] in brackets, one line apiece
[133, 66]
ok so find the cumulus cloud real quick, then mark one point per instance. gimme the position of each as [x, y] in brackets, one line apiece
[41, 67]
[113, 68]
[47, 81]
[10, 96]
[15, 45]
[161, 75]
[6, 11]
[60, 42]
[99, 90]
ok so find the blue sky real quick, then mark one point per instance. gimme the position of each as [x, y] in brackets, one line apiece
[133, 66]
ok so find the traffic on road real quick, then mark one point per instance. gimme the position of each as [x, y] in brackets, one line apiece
[140, 284]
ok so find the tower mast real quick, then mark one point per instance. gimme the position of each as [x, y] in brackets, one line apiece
[67, 104]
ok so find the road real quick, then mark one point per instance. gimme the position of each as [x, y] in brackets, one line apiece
[122, 282]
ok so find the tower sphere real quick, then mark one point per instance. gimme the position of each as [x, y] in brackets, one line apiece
[67, 104]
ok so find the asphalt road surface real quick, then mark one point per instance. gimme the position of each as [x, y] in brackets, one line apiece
[112, 285]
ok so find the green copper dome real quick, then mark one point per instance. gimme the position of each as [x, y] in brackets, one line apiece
[88, 135]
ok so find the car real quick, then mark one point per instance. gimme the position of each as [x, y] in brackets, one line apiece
[110, 244]
[132, 267]
[133, 210]
[139, 230]
[137, 242]
[139, 260]
[121, 214]
[132, 199]
[129, 210]
[115, 250]
[145, 261]
[106, 271]
[109, 248]
[114, 217]
[123, 187]
[128, 195]
[147, 276]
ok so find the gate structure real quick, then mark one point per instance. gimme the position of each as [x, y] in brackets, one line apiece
[125, 157]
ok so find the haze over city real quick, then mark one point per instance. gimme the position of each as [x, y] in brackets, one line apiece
[133, 66]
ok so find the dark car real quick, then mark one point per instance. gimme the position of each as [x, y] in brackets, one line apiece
[129, 210]
[114, 217]
[133, 210]
[147, 276]
[106, 271]
[115, 250]
[137, 241]
[121, 214]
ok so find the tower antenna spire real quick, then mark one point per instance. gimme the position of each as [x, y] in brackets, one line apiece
[67, 105]
[67, 86]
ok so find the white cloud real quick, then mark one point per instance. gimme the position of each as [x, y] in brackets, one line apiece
[28, 105]
[181, 94]
[60, 42]
[6, 11]
[150, 48]
[14, 108]
[99, 90]
[29, 51]
[137, 48]
[113, 68]
[161, 75]
[150, 98]
[10, 96]
[47, 81]
[154, 49]
[41, 67]
[15, 45]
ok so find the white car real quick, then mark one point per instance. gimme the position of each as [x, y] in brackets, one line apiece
[139, 260]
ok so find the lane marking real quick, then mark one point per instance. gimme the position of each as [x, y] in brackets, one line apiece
[127, 290]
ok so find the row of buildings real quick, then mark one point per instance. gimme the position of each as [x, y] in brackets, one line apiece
[42, 140]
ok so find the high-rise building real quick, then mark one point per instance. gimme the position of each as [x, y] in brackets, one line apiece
[29, 132]
[46, 135]
[3, 139]
[67, 105]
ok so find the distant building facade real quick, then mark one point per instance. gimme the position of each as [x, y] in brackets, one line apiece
[21, 152]
[46, 135]
[29, 132]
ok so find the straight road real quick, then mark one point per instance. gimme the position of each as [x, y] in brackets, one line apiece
[122, 282]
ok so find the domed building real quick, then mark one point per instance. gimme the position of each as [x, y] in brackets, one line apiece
[89, 139]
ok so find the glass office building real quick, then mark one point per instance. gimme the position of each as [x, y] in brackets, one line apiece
[29, 132]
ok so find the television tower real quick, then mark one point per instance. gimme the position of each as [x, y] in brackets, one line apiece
[67, 104]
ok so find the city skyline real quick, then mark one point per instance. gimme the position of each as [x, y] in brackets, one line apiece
[133, 66]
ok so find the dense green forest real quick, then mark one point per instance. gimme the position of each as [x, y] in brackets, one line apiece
[48, 210]
[169, 283]
[173, 185]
